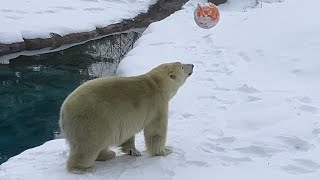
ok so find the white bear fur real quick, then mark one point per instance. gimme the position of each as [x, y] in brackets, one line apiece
[109, 111]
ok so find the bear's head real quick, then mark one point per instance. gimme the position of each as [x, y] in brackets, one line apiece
[178, 72]
[171, 76]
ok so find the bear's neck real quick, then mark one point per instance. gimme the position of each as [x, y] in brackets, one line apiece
[162, 84]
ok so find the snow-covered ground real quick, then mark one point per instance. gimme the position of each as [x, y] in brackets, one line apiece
[249, 111]
[38, 18]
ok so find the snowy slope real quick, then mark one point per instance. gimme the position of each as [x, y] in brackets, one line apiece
[38, 18]
[249, 111]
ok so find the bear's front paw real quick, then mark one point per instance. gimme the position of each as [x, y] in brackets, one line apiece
[166, 151]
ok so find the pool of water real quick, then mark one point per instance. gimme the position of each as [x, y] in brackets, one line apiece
[32, 88]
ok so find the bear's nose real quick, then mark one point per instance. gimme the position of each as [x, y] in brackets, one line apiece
[192, 66]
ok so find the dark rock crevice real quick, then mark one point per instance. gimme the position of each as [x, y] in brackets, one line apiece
[217, 2]
[156, 12]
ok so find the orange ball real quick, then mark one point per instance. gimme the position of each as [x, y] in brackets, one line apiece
[207, 16]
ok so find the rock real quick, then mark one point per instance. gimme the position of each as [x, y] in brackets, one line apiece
[217, 2]
[11, 48]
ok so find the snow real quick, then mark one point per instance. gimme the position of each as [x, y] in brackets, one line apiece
[38, 18]
[250, 110]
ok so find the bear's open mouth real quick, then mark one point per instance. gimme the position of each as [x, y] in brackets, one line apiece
[190, 73]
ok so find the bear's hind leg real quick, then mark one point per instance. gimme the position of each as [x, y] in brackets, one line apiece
[105, 155]
[81, 161]
[129, 147]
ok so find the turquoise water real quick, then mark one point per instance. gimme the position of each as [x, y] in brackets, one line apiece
[32, 88]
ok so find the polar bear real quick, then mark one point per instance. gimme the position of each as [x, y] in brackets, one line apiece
[109, 111]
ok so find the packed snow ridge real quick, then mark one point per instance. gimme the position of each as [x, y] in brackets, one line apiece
[31, 19]
[249, 111]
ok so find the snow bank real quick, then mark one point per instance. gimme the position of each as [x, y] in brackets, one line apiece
[38, 18]
[250, 110]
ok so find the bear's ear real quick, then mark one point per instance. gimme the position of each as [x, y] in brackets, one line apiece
[172, 75]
